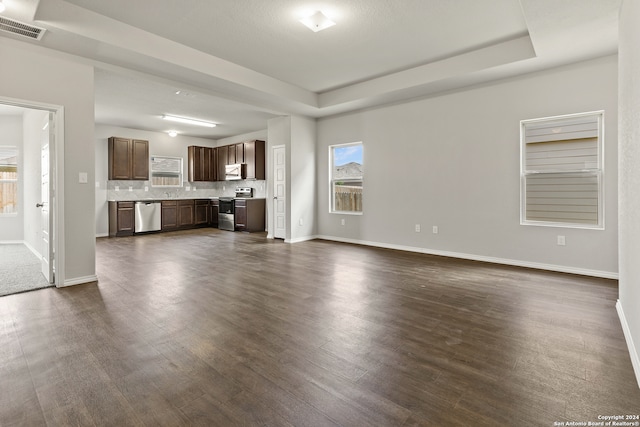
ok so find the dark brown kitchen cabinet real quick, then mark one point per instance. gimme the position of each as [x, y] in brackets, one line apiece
[201, 164]
[186, 213]
[121, 219]
[169, 214]
[215, 209]
[221, 156]
[249, 214]
[128, 159]
[202, 213]
[239, 148]
[254, 157]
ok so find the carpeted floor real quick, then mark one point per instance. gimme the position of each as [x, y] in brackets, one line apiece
[19, 270]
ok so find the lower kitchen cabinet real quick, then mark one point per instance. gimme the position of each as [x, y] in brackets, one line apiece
[169, 215]
[249, 214]
[202, 213]
[186, 213]
[121, 219]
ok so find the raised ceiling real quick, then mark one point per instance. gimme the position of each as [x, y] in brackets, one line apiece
[240, 63]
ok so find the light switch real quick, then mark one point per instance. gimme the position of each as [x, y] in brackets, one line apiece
[83, 178]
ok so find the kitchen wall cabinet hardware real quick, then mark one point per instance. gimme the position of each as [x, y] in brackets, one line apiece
[249, 214]
[208, 164]
[121, 219]
[202, 165]
[128, 159]
[254, 157]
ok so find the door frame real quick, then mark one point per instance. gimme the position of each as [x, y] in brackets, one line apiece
[56, 170]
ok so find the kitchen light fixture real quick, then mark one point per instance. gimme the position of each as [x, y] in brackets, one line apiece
[172, 133]
[317, 22]
[189, 121]
[2, 7]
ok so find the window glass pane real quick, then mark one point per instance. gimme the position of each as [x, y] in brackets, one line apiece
[8, 180]
[562, 171]
[346, 178]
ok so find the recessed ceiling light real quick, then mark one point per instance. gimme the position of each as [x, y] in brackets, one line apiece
[317, 22]
[189, 121]
[172, 133]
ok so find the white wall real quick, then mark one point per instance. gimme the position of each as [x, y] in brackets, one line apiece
[302, 178]
[452, 161]
[31, 73]
[160, 144]
[260, 135]
[33, 134]
[629, 176]
[298, 135]
[12, 226]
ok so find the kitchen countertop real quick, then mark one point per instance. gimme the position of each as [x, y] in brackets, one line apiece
[183, 198]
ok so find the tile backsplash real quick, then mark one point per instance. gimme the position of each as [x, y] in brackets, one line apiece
[135, 190]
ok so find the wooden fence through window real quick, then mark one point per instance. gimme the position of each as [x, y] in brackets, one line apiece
[347, 198]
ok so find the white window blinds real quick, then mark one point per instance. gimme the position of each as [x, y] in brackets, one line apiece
[562, 171]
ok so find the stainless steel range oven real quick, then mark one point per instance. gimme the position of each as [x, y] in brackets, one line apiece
[226, 209]
[226, 214]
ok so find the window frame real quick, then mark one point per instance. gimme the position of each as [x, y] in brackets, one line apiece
[597, 172]
[15, 181]
[332, 179]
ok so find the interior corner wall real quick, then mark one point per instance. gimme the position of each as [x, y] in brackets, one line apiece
[453, 161]
[303, 178]
[11, 135]
[629, 177]
[32, 73]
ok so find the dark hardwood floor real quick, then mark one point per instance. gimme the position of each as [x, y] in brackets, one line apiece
[207, 327]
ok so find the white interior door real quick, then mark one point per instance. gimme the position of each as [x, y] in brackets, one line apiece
[45, 199]
[279, 192]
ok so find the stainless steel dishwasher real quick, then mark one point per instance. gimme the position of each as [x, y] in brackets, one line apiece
[148, 216]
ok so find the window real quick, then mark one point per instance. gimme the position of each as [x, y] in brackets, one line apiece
[562, 171]
[8, 180]
[346, 172]
[166, 171]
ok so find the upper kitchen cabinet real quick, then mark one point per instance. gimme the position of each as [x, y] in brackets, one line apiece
[254, 157]
[128, 159]
[202, 163]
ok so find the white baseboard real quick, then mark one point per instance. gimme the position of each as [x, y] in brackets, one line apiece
[21, 242]
[473, 257]
[32, 249]
[635, 361]
[79, 281]
[102, 235]
[300, 239]
[11, 242]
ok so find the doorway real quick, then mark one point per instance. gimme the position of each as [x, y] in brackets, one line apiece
[33, 250]
[279, 192]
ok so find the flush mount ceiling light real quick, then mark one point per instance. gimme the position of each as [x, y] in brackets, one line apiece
[172, 133]
[189, 121]
[317, 22]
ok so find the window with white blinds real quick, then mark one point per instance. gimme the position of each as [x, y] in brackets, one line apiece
[561, 171]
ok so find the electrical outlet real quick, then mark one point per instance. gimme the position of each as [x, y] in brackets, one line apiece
[146, 188]
[342, 221]
[435, 229]
[417, 228]
[561, 241]
[130, 188]
[117, 188]
[300, 221]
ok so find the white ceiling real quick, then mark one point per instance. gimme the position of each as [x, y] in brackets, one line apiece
[243, 62]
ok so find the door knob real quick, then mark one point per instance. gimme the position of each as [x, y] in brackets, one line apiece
[39, 205]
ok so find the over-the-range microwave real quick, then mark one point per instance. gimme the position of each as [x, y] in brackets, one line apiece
[235, 171]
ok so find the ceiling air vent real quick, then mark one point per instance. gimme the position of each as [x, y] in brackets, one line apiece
[10, 26]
